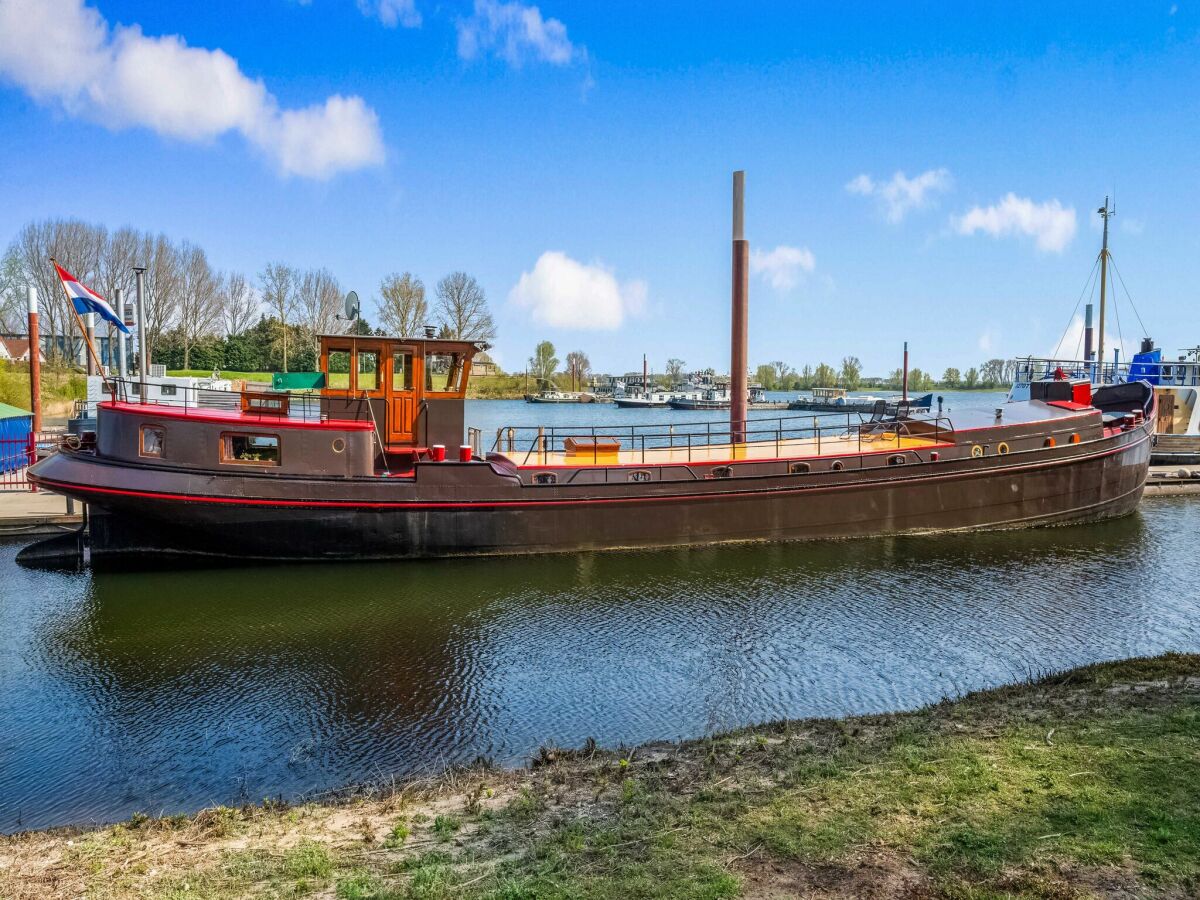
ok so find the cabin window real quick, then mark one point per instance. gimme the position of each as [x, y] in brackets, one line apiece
[798, 468]
[368, 370]
[897, 460]
[722, 472]
[337, 369]
[545, 478]
[151, 441]
[402, 370]
[250, 449]
[639, 475]
[837, 465]
[166, 390]
[442, 371]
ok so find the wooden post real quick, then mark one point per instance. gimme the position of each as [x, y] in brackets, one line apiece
[35, 363]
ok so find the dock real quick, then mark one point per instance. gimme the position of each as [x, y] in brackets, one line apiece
[26, 512]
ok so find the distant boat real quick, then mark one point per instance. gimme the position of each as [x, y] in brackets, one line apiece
[838, 400]
[715, 398]
[560, 397]
[649, 400]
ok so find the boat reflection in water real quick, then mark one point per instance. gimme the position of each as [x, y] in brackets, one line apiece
[161, 692]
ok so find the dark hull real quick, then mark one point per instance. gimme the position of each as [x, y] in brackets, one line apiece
[135, 516]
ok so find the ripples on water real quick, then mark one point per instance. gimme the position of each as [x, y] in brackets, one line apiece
[165, 692]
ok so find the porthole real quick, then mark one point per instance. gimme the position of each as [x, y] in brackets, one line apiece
[1002, 448]
[897, 460]
[639, 476]
[339, 445]
[1075, 439]
[722, 472]
[799, 468]
[545, 478]
[837, 465]
[1050, 442]
[976, 451]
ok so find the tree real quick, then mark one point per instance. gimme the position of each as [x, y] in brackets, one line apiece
[578, 365]
[951, 378]
[462, 309]
[162, 283]
[971, 379]
[279, 294]
[851, 373]
[543, 364]
[765, 375]
[239, 304]
[13, 295]
[675, 371]
[402, 306]
[805, 380]
[318, 305]
[992, 372]
[199, 300]
[895, 379]
[825, 376]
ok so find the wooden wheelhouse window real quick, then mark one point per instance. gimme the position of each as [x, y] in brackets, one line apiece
[368, 370]
[337, 368]
[402, 370]
[151, 440]
[250, 449]
[443, 371]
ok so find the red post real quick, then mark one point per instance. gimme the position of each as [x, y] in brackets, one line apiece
[905, 396]
[739, 331]
[35, 364]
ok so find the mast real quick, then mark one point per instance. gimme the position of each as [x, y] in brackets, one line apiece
[741, 313]
[645, 377]
[1105, 213]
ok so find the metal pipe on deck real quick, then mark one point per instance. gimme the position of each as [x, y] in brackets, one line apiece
[1087, 333]
[35, 363]
[122, 361]
[739, 351]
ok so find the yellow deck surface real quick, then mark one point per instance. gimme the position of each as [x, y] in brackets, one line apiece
[795, 448]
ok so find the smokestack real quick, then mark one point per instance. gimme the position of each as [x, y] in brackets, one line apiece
[122, 362]
[1087, 333]
[904, 396]
[741, 313]
[143, 360]
[35, 363]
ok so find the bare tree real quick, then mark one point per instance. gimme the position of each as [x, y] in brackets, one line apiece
[199, 300]
[543, 363]
[402, 305]
[675, 371]
[163, 285]
[279, 294]
[579, 366]
[462, 309]
[12, 293]
[239, 304]
[318, 304]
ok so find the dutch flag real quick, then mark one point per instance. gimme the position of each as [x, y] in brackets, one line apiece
[86, 301]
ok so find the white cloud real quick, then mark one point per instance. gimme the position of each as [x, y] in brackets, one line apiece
[782, 267]
[392, 12]
[63, 52]
[1050, 224]
[563, 293]
[901, 194]
[515, 33]
[1133, 226]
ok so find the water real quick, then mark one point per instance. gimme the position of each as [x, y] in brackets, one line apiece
[167, 692]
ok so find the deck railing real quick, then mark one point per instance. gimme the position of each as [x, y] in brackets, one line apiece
[527, 444]
[1184, 372]
[303, 406]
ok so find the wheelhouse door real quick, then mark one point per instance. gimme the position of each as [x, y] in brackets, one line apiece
[402, 395]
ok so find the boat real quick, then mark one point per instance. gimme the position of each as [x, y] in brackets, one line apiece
[373, 464]
[549, 396]
[644, 400]
[717, 397]
[840, 400]
[1176, 383]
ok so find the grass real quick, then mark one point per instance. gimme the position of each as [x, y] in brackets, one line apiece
[60, 388]
[1081, 784]
[236, 376]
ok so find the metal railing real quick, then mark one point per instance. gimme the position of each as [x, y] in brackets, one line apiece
[18, 454]
[303, 406]
[664, 443]
[1184, 372]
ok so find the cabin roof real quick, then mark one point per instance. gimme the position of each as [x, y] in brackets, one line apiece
[476, 346]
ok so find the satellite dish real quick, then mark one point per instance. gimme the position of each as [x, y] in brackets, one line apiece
[352, 306]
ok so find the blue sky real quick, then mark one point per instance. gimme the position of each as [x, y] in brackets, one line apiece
[912, 172]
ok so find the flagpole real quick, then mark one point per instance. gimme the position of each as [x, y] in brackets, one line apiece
[78, 321]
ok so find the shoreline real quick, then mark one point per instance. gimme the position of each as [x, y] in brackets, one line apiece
[1076, 784]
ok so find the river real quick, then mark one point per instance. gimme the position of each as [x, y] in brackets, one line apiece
[165, 692]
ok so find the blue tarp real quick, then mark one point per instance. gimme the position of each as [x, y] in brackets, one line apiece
[15, 426]
[1146, 366]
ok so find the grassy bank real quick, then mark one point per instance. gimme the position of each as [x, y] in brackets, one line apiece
[205, 373]
[1082, 784]
[60, 388]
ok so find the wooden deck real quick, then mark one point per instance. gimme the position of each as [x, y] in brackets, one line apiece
[794, 448]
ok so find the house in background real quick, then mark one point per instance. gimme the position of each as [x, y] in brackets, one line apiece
[483, 364]
[15, 348]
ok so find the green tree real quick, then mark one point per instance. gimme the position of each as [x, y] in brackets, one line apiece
[992, 373]
[765, 375]
[578, 367]
[971, 379]
[804, 381]
[851, 373]
[675, 371]
[951, 378]
[543, 364]
[825, 376]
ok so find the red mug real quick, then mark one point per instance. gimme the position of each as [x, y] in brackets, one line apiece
[438, 452]
[464, 453]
